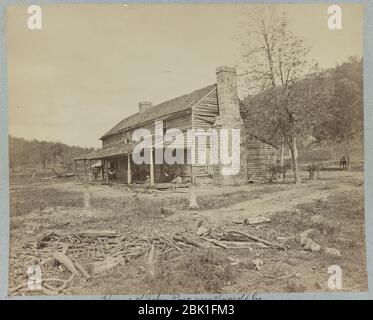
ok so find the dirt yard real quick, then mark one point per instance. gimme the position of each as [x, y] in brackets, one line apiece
[241, 239]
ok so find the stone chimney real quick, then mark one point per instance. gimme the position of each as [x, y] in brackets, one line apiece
[226, 79]
[230, 118]
[145, 105]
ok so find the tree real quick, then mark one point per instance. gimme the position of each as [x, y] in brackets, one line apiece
[44, 153]
[57, 151]
[25, 154]
[287, 95]
[346, 121]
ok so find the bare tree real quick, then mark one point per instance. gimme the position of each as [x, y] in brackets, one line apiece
[285, 83]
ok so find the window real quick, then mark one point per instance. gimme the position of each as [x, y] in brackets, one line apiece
[126, 137]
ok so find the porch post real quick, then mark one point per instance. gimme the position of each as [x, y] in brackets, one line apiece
[85, 170]
[104, 168]
[129, 178]
[151, 168]
[76, 170]
[192, 175]
[90, 170]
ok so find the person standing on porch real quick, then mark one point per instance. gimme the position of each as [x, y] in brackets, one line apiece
[111, 174]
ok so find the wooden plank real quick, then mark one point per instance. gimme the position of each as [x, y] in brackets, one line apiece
[207, 119]
[66, 262]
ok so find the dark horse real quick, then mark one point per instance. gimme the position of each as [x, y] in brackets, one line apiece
[343, 162]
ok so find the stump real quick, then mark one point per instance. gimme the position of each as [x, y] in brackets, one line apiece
[192, 198]
[87, 202]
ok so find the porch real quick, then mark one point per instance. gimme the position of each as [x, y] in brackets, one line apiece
[94, 168]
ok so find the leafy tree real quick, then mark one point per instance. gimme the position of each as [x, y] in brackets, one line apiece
[289, 94]
[31, 154]
[44, 153]
[346, 121]
[57, 151]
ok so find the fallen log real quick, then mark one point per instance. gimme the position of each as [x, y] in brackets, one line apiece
[151, 261]
[216, 242]
[44, 290]
[82, 270]
[188, 240]
[59, 289]
[17, 288]
[256, 220]
[107, 264]
[268, 243]
[66, 262]
[47, 288]
[171, 244]
[97, 233]
[62, 175]
[243, 244]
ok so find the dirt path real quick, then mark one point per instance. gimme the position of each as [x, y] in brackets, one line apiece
[266, 205]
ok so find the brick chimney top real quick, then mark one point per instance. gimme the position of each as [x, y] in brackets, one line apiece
[143, 106]
[226, 79]
[225, 69]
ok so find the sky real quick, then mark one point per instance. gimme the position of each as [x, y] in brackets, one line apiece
[90, 65]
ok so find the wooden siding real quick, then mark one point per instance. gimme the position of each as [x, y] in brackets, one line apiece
[260, 158]
[205, 112]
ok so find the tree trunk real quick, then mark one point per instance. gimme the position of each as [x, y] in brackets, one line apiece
[282, 152]
[294, 158]
[347, 148]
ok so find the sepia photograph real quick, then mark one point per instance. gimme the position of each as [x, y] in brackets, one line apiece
[170, 149]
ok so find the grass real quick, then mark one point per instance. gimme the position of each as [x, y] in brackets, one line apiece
[30, 198]
[24, 201]
[224, 200]
[196, 271]
[339, 225]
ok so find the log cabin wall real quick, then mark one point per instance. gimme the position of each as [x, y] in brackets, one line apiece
[260, 155]
[260, 158]
[182, 121]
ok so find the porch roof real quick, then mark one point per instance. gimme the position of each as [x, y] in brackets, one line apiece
[109, 152]
[122, 149]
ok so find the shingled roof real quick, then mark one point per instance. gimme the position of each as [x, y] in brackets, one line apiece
[178, 104]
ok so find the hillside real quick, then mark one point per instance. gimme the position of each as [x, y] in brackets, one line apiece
[25, 155]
